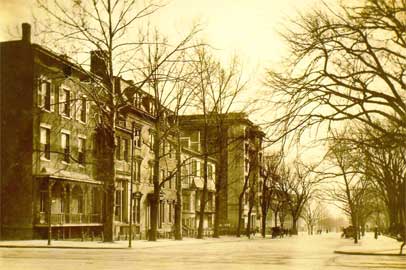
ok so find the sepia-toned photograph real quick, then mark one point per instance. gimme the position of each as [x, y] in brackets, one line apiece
[202, 134]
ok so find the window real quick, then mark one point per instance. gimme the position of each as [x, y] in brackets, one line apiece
[65, 102]
[125, 145]
[210, 171]
[46, 96]
[118, 204]
[194, 167]
[121, 197]
[163, 178]
[170, 212]
[137, 170]
[170, 179]
[185, 142]
[151, 140]
[43, 199]
[137, 138]
[83, 109]
[81, 150]
[210, 221]
[138, 210]
[151, 173]
[163, 151]
[170, 150]
[118, 148]
[80, 204]
[161, 213]
[186, 203]
[45, 140]
[65, 147]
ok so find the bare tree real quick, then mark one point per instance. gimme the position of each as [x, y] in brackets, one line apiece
[166, 69]
[312, 214]
[104, 27]
[351, 187]
[271, 176]
[216, 87]
[344, 64]
[297, 187]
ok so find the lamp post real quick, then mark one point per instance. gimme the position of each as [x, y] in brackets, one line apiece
[49, 213]
[131, 186]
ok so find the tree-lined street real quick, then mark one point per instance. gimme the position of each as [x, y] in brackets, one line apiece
[297, 252]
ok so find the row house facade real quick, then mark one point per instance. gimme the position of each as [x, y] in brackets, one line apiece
[47, 171]
[192, 185]
[50, 174]
[236, 143]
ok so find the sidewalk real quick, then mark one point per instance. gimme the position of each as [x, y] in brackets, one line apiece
[368, 245]
[136, 244]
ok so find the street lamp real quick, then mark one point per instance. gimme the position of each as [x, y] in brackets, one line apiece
[131, 186]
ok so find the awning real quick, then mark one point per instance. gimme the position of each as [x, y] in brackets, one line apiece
[67, 175]
[198, 183]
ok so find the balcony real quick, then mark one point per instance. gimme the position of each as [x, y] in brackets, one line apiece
[68, 219]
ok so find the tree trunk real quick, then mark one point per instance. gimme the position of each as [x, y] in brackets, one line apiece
[276, 218]
[216, 232]
[249, 225]
[107, 163]
[204, 192]
[294, 225]
[108, 231]
[178, 206]
[263, 223]
[240, 210]
[154, 202]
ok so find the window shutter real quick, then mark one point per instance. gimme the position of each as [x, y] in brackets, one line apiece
[63, 140]
[52, 107]
[73, 101]
[78, 108]
[40, 95]
[43, 136]
[87, 109]
[61, 100]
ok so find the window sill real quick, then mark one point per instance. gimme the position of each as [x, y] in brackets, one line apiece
[45, 110]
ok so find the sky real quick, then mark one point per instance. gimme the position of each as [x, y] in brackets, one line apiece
[248, 28]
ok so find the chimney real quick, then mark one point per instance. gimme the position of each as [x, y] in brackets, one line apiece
[26, 28]
[98, 64]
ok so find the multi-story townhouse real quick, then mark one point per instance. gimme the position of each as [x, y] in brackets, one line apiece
[236, 143]
[138, 116]
[192, 185]
[51, 181]
[47, 175]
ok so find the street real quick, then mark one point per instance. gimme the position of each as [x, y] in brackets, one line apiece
[300, 252]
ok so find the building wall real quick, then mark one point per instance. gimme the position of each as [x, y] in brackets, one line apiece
[16, 86]
[236, 171]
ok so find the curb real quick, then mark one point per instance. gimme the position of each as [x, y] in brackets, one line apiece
[61, 247]
[135, 246]
[367, 253]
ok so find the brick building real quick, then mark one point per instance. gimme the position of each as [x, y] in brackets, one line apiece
[50, 160]
[46, 140]
[236, 143]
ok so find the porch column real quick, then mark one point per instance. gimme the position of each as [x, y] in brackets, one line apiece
[68, 203]
[85, 199]
[64, 202]
[50, 185]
